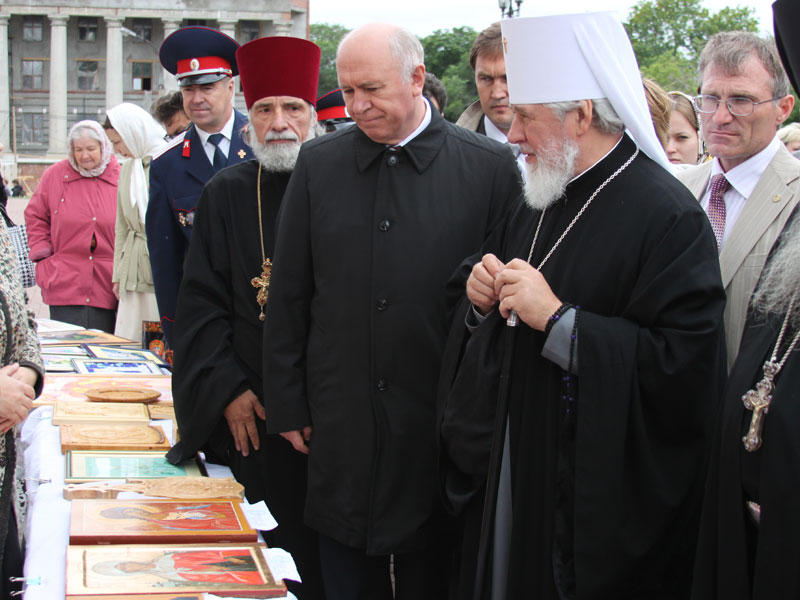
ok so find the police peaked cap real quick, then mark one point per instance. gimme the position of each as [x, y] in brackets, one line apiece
[198, 55]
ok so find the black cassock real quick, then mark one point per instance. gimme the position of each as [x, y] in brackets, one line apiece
[218, 348]
[605, 490]
[736, 560]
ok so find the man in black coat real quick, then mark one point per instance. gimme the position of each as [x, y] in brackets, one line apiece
[374, 221]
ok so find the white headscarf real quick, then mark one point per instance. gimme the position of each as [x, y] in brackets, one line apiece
[93, 130]
[143, 137]
[561, 58]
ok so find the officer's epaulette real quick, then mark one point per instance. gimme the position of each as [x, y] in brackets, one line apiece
[177, 140]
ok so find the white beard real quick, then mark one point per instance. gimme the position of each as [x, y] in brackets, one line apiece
[780, 281]
[278, 158]
[549, 175]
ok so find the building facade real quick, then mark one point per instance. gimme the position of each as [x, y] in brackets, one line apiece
[67, 61]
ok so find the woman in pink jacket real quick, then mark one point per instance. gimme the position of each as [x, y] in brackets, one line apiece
[70, 221]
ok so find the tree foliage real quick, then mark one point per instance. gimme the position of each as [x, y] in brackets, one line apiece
[447, 57]
[668, 35]
[327, 37]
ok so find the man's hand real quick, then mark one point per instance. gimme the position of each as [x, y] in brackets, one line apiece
[481, 289]
[16, 397]
[522, 288]
[241, 421]
[299, 439]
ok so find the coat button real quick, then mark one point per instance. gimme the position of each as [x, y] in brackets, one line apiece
[62, 199]
[384, 225]
[91, 257]
[382, 385]
[382, 304]
[392, 160]
[88, 299]
[94, 218]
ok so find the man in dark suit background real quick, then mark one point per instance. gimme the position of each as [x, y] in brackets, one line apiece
[204, 62]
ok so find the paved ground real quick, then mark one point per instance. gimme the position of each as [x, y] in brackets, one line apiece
[16, 210]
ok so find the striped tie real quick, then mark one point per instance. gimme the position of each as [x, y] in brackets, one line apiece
[716, 206]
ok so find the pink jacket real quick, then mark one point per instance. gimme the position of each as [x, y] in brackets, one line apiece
[63, 214]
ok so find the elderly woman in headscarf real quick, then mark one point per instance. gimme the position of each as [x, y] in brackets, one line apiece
[21, 377]
[136, 136]
[70, 221]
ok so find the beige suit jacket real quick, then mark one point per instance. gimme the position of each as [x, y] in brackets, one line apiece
[759, 224]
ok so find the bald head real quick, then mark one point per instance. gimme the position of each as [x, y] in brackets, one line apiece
[381, 73]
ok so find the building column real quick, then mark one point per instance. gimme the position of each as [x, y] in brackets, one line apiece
[5, 84]
[228, 27]
[114, 65]
[167, 78]
[57, 117]
[283, 28]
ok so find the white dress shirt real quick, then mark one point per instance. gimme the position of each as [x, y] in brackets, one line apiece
[743, 179]
[224, 143]
[492, 132]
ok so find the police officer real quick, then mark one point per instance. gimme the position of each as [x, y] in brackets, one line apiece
[204, 62]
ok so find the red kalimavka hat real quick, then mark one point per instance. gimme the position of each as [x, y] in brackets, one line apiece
[279, 66]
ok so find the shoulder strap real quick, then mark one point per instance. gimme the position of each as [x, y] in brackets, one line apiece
[4, 211]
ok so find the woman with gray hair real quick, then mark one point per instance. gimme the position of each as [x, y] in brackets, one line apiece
[70, 221]
[136, 136]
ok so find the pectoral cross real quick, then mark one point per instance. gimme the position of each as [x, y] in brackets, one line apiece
[758, 401]
[262, 284]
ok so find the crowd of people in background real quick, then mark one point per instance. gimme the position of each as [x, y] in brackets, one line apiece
[549, 350]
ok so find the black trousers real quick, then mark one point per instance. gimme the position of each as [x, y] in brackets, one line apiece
[12, 560]
[350, 574]
[89, 317]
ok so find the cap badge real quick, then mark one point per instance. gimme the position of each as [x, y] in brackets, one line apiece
[194, 65]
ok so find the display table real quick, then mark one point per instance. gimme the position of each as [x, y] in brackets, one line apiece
[47, 527]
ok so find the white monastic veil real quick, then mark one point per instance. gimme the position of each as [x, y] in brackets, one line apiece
[579, 57]
[143, 136]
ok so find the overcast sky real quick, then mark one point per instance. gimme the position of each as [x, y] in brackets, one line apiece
[424, 16]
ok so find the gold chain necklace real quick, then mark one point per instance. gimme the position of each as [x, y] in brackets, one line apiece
[759, 398]
[261, 283]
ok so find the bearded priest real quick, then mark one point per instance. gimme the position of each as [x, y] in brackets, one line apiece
[612, 371]
[218, 328]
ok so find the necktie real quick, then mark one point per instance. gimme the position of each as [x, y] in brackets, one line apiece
[716, 206]
[219, 157]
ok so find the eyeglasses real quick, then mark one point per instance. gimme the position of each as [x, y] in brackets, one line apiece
[737, 105]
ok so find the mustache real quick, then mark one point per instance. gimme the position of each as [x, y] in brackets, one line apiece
[277, 135]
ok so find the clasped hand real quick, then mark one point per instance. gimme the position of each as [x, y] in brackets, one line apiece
[514, 286]
[16, 396]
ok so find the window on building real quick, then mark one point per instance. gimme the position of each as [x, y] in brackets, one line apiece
[32, 74]
[87, 75]
[87, 29]
[32, 128]
[32, 29]
[142, 75]
[143, 29]
[249, 31]
[195, 22]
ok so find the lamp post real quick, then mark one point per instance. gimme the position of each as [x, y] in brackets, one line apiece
[507, 9]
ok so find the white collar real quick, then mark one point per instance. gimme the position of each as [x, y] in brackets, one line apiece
[226, 131]
[744, 177]
[426, 119]
[493, 131]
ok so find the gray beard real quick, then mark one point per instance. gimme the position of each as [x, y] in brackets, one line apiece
[277, 158]
[780, 281]
[549, 175]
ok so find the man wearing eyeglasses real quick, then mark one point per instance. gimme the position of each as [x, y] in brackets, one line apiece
[751, 187]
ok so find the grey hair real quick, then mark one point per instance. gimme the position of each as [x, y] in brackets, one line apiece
[405, 47]
[604, 117]
[729, 49]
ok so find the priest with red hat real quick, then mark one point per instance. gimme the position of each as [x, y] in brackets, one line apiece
[217, 384]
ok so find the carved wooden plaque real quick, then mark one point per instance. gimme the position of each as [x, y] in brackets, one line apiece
[184, 488]
[113, 437]
[161, 410]
[84, 413]
[116, 394]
